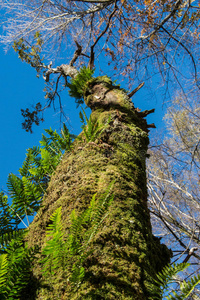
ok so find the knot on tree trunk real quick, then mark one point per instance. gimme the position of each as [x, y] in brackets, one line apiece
[102, 93]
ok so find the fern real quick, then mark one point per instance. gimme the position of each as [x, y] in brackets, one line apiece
[6, 238]
[186, 289]
[91, 128]
[24, 170]
[69, 254]
[15, 269]
[56, 143]
[78, 84]
[8, 220]
[166, 277]
[26, 192]
[25, 196]
[54, 251]
[3, 272]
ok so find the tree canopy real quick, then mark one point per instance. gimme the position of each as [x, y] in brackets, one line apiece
[142, 41]
[136, 39]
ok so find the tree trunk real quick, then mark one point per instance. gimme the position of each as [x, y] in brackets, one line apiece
[126, 255]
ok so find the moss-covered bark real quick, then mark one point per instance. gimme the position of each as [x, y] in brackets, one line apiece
[126, 255]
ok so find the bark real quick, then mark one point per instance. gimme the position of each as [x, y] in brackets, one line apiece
[127, 256]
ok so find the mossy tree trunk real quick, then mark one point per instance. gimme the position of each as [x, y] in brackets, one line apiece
[126, 255]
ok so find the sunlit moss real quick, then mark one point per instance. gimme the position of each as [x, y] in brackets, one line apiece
[126, 255]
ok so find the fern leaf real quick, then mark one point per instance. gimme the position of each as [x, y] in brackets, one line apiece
[78, 84]
[8, 220]
[186, 289]
[6, 238]
[56, 224]
[82, 120]
[165, 278]
[15, 188]
[19, 262]
[24, 170]
[3, 271]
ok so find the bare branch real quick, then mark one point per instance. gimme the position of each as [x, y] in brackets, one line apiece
[91, 62]
[169, 16]
[136, 89]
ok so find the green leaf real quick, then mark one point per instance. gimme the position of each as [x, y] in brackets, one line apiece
[3, 271]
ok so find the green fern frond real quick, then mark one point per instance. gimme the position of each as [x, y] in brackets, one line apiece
[90, 127]
[68, 254]
[24, 170]
[6, 238]
[35, 152]
[55, 224]
[25, 196]
[57, 143]
[52, 143]
[54, 254]
[15, 187]
[16, 274]
[186, 289]
[78, 84]
[166, 277]
[67, 138]
[3, 271]
[32, 194]
[8, 220]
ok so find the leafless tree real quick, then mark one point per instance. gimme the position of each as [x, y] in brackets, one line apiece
[173, 182]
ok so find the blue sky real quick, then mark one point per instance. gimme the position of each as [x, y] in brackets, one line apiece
[20, 88]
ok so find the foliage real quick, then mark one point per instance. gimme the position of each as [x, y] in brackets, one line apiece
[27, 190]
[15, 266]
[129, 36]
[31, 117]
[167, 278]
[6, 238]
[90, 127]
[30, 53]
[69, 253]
[132, 31]
[78, 84]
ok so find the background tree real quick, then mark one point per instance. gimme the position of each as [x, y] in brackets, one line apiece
[173, 181]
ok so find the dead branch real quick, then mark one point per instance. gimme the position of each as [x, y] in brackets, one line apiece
[145, 113]
[152, 125]
[64, 69]
[136, 89]
[77, 53]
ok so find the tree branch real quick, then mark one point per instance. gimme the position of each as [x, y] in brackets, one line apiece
[136, 89]
[65, 69]
[171, 14]
[91, 62]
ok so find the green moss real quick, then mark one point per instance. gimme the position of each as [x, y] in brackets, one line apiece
[126, 256]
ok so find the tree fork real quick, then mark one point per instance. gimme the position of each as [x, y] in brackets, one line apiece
[126, 255]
